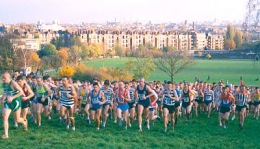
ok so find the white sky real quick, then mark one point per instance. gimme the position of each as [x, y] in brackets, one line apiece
[77, 11]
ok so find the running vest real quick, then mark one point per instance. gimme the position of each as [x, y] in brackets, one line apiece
[8, 89]
[64, 98]
[208, 95]
[41, 91]
[225, 100]
[120, 100]
[241, 99]
[199, 95]
[26, 92]
[132, 95]
[256, 97]
[167, 100]
[84, 93]
[142, 93]
[186, 96]
[108, 94]
[95, 99]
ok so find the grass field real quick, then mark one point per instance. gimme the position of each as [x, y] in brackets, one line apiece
[230, 70]
[199, 132]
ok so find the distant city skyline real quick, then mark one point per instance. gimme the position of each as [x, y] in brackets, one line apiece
[101, 11]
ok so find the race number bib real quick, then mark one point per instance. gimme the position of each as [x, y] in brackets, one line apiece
[108, 98]
[121, 100]
[186, 99]
[64, 95]
[95, 100]
[225, 102]
[141, 97]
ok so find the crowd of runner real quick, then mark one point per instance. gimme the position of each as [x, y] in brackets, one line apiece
[122, 102]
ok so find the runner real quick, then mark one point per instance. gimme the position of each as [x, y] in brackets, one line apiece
[97, 99]
[132, 103]
[227, 100]
[42, 93]
[256, 99]
[153, 104]
[67, 94]
[12, 102]
[169, 97]
[144, 93]
[198, 104]
[187, 101]
[123, 97]
[108, 93]
[28, 94]
[178, 89]
[115, 87]
[241, 99]
[34, 99]
[208, 99]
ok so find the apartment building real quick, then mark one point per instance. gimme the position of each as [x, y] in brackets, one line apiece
[215, 42]
[26, 43]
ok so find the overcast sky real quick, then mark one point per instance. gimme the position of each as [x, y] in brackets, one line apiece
[99, 11]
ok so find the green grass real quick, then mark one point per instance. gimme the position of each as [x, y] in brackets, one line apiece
[230, 70]
[199, 132]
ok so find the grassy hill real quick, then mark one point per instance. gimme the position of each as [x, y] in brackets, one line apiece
[230, 70]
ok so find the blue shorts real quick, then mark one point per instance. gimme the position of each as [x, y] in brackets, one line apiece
[144, 103]
[207, 102]
[123, 107]
[151, 108]
[35, 101]
[96, 107]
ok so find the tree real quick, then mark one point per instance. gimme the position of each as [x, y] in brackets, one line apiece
[22, 57]
[48, 49]
[35, 60]
[229, 44]
[120, 51]
[7, 52]
[200, 54]
[75, 54]
[208, 56]
[238, 38]
[94, 50]
[66, 71]
[229, 40]
[140, 67]
[173, 62]
[230, 32]
[63, 56]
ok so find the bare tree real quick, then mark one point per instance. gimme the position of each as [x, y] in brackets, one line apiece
[173, 62]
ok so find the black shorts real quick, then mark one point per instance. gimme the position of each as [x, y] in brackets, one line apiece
[106, 104]
[159, 103]
[224, 109]
[177, 104]
[185, 104]
[44, 103]
[207, 102]
[25, 104]
[256, 103]
[239, 108]
[144, 103]
[83, 105]
[170, 108]
[131, 105]
[199, 100]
